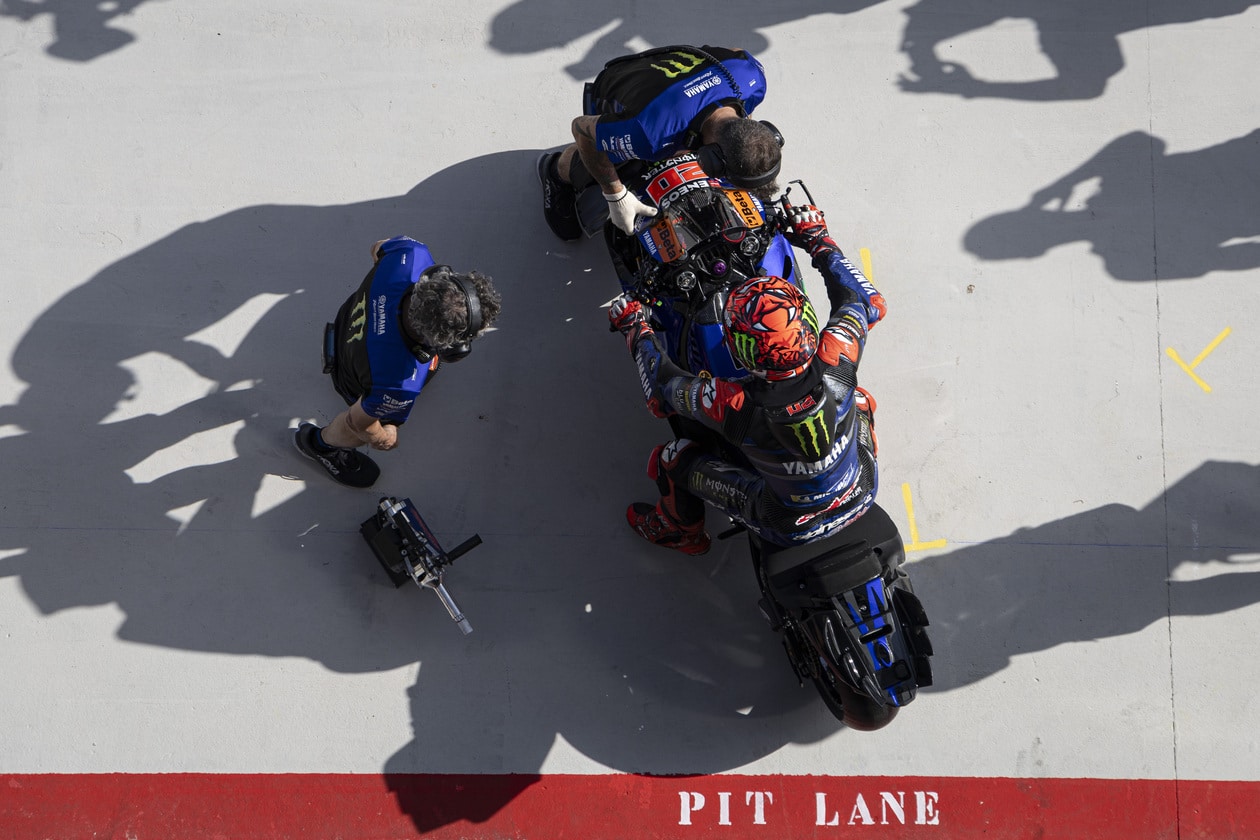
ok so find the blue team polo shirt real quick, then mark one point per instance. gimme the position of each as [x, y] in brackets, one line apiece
[656, 131]
[396, 375]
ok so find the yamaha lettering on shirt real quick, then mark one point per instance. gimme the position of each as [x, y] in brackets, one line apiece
[377, 364]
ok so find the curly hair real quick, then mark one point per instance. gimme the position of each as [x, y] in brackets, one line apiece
[750, 147]
[437, 311]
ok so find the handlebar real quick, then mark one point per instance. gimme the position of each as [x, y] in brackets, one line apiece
[786, 205]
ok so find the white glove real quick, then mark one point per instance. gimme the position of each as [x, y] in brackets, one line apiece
[624, 207]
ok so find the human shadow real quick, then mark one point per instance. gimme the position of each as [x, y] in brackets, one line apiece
[1079, 37]
[190, 551]
[1201, 208]
[531, 26]
[1099, 574]
[158, 475]
[83, 30]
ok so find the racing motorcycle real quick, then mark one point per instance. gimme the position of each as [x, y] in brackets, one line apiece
[844, 606]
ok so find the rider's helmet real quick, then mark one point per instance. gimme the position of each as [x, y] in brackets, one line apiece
[771, 328]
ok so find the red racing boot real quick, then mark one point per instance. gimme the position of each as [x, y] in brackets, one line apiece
[655, 526]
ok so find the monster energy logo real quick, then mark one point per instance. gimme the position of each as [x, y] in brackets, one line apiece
[745, 347]
[810, 317]
[678, 67]
[812, 434]
[358, 318]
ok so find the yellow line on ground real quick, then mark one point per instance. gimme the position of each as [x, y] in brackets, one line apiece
[1189, 368]
[865, 255]
[1210, 347]
[915, 545]
[1172, 354]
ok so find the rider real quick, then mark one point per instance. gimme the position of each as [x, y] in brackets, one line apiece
[801, 422]
[407, 316]
[650, 106]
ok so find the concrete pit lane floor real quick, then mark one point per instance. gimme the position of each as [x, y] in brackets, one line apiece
[1059, 201]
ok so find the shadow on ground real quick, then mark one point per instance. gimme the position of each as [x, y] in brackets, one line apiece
[643, 661]
[531, 26]
[1202, 207]
[159, 476]
[1080, 38]
[83, 31]
[1099, 574]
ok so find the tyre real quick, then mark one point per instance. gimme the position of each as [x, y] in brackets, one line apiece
[857, 711]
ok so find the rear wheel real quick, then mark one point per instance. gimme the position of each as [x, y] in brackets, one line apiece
[856, 710]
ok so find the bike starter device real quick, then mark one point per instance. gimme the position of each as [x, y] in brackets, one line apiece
[407, 550]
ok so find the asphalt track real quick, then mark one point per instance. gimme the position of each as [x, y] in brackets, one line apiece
[1061, 202]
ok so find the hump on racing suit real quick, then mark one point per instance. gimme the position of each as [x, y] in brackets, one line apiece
[811, 441]
[806, 428]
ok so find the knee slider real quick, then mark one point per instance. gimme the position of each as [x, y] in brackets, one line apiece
[668, 455]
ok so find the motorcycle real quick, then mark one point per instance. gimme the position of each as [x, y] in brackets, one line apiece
[844, 605]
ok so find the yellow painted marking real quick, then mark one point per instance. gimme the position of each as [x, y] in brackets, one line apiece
[1189, 368]
[1173, 355]
[865, 255]
[915, 545]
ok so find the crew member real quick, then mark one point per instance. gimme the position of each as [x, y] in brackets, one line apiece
[650, 106]
[408, 316]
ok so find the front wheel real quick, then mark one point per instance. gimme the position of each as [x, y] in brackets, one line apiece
[857, 711]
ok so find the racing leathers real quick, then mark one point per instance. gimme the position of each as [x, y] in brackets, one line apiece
[801, 452]
[374, 361]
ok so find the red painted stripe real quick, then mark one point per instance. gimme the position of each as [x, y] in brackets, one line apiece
[616, 807]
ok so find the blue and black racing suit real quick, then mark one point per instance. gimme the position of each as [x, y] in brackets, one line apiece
[373, 360]
[806, 464]
[651, 105]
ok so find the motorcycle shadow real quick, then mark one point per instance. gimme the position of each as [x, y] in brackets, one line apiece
[168, 488]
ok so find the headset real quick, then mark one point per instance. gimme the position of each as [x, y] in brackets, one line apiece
[713, 161]
[463, 344]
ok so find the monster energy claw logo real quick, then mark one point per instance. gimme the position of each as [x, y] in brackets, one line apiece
[810, 317]
[677, 68]
[358, 318]
[745, 347]
[811, 433]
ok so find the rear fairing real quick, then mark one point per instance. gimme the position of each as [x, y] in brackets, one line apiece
[848, 597]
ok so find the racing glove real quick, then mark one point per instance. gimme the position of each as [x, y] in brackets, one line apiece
[807, 230]
[626, 316]
[624, 208]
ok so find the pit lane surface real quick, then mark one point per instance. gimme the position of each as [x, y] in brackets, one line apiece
[1059, 203]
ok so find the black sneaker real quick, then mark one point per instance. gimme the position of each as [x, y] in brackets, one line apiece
[346, 466]
[559, 201]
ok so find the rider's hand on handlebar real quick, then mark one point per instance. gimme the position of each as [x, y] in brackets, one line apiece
[626, 314]
[624, 208]
[627, 317]
[807, 230]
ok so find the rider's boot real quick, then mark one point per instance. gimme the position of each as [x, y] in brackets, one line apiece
[656, 526]
[677, 521]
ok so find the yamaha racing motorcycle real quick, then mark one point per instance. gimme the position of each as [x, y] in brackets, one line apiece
[844, 605]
